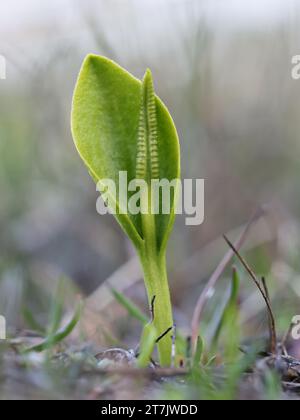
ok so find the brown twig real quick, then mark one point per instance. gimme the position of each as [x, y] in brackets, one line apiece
[251, 273]
[204, 297]
[266, 290]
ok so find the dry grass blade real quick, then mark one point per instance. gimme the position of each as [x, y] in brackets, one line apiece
[253, 276]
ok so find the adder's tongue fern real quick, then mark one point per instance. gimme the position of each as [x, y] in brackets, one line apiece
[147, 165]
[118, 124]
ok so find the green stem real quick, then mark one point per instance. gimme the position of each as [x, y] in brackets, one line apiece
[156, 281]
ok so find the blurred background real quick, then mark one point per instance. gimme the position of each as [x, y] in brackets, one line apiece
[223, 67]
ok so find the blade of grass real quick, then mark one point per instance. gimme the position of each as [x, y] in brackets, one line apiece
[230, 306]
[32, 322]
[59, 336]
[132, 309]
[198, 353]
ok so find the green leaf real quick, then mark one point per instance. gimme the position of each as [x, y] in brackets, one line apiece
[131, 308]
[58, 336]
[118, 124]
[198, 353]
[56, 312]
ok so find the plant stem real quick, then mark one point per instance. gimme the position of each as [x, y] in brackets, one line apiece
[153, 263]
[156, 281]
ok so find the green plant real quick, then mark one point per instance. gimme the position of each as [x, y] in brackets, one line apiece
[119, 124]
[54, 334]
